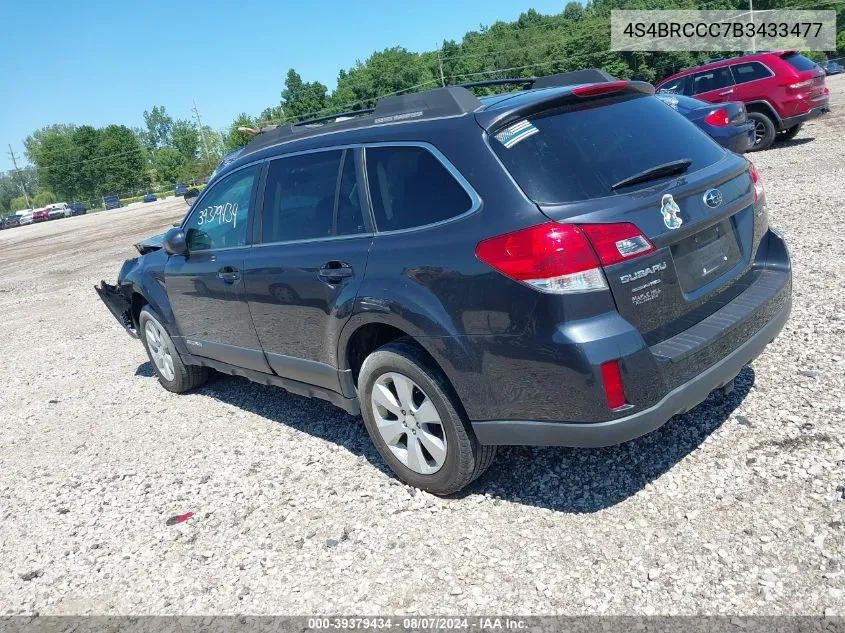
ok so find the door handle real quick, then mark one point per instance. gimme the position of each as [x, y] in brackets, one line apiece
[228, 275]
[725, 93]
[335, 272]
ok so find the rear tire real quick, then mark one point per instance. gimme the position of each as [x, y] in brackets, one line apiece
[429, 411]
[788, 133]
[764, 131]
[171, 372]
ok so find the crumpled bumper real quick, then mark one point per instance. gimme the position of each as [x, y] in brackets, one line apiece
[119, 305]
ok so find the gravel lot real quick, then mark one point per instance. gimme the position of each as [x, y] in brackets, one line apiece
[734, 508]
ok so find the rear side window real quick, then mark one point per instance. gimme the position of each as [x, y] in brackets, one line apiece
[750, 71]
[578, 153]
[410, 187]
[311, 196]
[715, 79]
[675, 86]
[798, 62]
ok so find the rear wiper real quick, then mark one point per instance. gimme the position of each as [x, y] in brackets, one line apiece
[666, 169]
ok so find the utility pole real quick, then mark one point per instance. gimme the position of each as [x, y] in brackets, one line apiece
[202, 131]
[754, 32]
[440, 63]
[20, 177]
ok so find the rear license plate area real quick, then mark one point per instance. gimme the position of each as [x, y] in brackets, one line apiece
[705, 256]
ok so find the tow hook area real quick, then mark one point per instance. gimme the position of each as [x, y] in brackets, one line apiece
[119, 305]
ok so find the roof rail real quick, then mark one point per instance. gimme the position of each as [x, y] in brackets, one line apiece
[429, 104]
[336, 115]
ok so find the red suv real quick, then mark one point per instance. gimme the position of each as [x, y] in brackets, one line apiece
[780, 90]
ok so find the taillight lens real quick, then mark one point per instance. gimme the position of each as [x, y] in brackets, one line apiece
[563, 258]
[801, 84]
[599, 89]
[719, 118]
[552, 257]
[613, 390]
[758, 184]
[616, 243]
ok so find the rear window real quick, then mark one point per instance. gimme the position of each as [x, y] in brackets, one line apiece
[798, 62]
[409, 187]
[577, 154]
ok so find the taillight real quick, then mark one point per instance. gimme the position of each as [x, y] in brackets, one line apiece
[758, 184]
[613, 390]
[616, 243]
[551, 257]
[599, 89]
[719, 118]
[801, 84]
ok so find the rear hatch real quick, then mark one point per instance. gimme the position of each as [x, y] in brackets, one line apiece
[574, 161]
[811, 76]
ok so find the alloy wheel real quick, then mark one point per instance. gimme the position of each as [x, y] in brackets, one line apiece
[159, 349]
[409, 423]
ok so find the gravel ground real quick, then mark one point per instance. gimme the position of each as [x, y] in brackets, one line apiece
[734, 508]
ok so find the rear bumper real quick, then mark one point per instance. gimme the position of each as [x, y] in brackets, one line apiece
[679, 400]
[671, 376]
[814, 113]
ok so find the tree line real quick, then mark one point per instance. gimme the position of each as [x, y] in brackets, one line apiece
[84, 163]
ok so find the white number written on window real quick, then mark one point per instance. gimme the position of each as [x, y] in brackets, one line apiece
[219, 214]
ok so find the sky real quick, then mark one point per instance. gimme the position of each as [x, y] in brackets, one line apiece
[100, 62]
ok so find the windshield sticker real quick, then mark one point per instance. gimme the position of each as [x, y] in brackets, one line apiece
[515, 133]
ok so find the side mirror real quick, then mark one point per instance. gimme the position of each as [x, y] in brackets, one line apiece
[174, 242]
[191, 196]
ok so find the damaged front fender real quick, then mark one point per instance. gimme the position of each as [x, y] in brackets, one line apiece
[118, 300]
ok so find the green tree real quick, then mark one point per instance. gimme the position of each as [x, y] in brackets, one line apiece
[43, 198]
[123, 161]
[18, 204]
[186, 138]
[168, 165]
[57, 159]
[86, 140]
[301, 98]
[159, 127]
[235, 138]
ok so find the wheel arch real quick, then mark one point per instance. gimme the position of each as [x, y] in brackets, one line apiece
[764, 107]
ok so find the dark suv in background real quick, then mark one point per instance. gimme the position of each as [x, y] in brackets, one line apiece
[780, 90]
[571, 264]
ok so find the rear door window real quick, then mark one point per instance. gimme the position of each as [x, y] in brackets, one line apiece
[410, 187]
[798, 62]
[715, 79]
[311, 196]
[578, 153]
[749, 71]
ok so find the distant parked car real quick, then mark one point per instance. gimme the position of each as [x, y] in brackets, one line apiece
[41, 215]
[58, 210]
[11, 220]
[150, 197]
[780, 90]
[112, 202]
[831, 68]
[727, 123]
[25, 217]
[77, 208]
[180, 190]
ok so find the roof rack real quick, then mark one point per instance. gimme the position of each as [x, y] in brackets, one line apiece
[438, 103]
[572, 78]
[430, 104]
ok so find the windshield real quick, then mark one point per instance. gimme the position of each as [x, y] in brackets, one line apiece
[572, 154]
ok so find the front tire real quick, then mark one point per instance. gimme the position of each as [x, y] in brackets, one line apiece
[416, 422]
[764, 131]
[171, 372]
